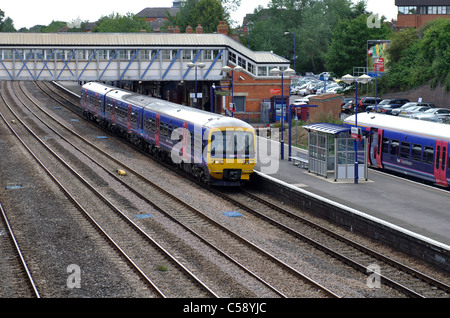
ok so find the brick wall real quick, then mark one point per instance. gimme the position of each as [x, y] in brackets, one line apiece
[254, 91]
[329, 105]
[437, 96]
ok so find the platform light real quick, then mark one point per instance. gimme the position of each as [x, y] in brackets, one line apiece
[228, 69]
[288, 72]
[196, 65]
[349, 79]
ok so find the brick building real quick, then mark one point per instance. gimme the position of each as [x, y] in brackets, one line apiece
[415, 13]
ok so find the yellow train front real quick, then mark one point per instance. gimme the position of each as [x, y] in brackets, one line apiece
[230, 152]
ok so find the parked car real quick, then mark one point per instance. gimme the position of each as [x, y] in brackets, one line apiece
[397, 111]
[434, 114]
[300, 101]
[345, 100]
[368, 103]
[411, 111]
[387, 105]
[349, 107]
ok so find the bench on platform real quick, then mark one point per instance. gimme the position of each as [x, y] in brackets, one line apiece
[301, 160]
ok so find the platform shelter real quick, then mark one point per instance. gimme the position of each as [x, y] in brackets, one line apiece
[331, 152]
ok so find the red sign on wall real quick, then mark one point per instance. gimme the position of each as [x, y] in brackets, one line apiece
[275, 91]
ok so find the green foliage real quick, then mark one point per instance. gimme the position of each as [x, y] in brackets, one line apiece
[6, 25]
[312, 22]
[116, 23]
[425, 58]
[208, 13]
[53, 27]
[349, 43]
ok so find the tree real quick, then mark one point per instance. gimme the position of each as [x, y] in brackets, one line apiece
[425, 59]
[116, 23]
[348, 46]
[6, 25]
[208, 13]
[312, 22]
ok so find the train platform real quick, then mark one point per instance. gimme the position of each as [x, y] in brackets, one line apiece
[420, 209]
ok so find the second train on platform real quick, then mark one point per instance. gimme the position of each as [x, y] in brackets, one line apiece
[412, 147]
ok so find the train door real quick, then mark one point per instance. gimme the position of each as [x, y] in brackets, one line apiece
[129, 118]
[85, 99]
[113, 112]
[96, 104]
[158, 121]
[376, 147]
[184, 142]
[441, 162]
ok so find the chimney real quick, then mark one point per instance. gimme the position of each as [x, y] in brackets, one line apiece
[199, 29]
[222, 28]
[189, 29]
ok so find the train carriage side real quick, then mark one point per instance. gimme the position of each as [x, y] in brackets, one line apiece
[187, 134]
[407, 146]
[93, 99]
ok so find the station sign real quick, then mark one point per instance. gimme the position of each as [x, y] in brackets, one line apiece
[356, 133]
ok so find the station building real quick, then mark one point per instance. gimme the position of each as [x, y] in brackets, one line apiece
[415, 13]
[155, 64]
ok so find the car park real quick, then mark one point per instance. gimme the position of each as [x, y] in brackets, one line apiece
[331, 88]
[387, 105]
[434, 114]
[411, 111]
[368, 102]
[397, 111]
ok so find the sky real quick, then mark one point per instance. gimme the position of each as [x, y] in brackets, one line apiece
[28, 13]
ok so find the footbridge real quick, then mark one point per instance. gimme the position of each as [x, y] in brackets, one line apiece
[128, 57]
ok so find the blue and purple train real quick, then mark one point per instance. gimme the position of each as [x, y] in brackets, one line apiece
[218, 150]
[412, 147]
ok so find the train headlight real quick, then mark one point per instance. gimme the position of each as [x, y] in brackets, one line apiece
[217, 162]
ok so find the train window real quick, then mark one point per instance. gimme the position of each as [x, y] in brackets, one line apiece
[405, 149]
[428, 155]
[416, 152]
[394, 147]
[385, 145]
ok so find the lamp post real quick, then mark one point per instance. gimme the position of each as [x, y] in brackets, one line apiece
[196, 65]
[363, 79]
[289, 72]
[228, 69]
[290, 33]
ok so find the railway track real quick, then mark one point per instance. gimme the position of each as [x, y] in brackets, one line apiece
[17, 280]
[198, 224]
[193, 221]
[387, 270]
[152, 251]
[403, 278]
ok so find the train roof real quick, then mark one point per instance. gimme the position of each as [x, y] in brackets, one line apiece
[98, 88]
[189, 114]
[408, 125]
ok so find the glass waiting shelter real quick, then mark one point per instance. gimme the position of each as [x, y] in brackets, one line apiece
[331, 152]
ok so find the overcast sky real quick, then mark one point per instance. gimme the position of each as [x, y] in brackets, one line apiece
[28, 13]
